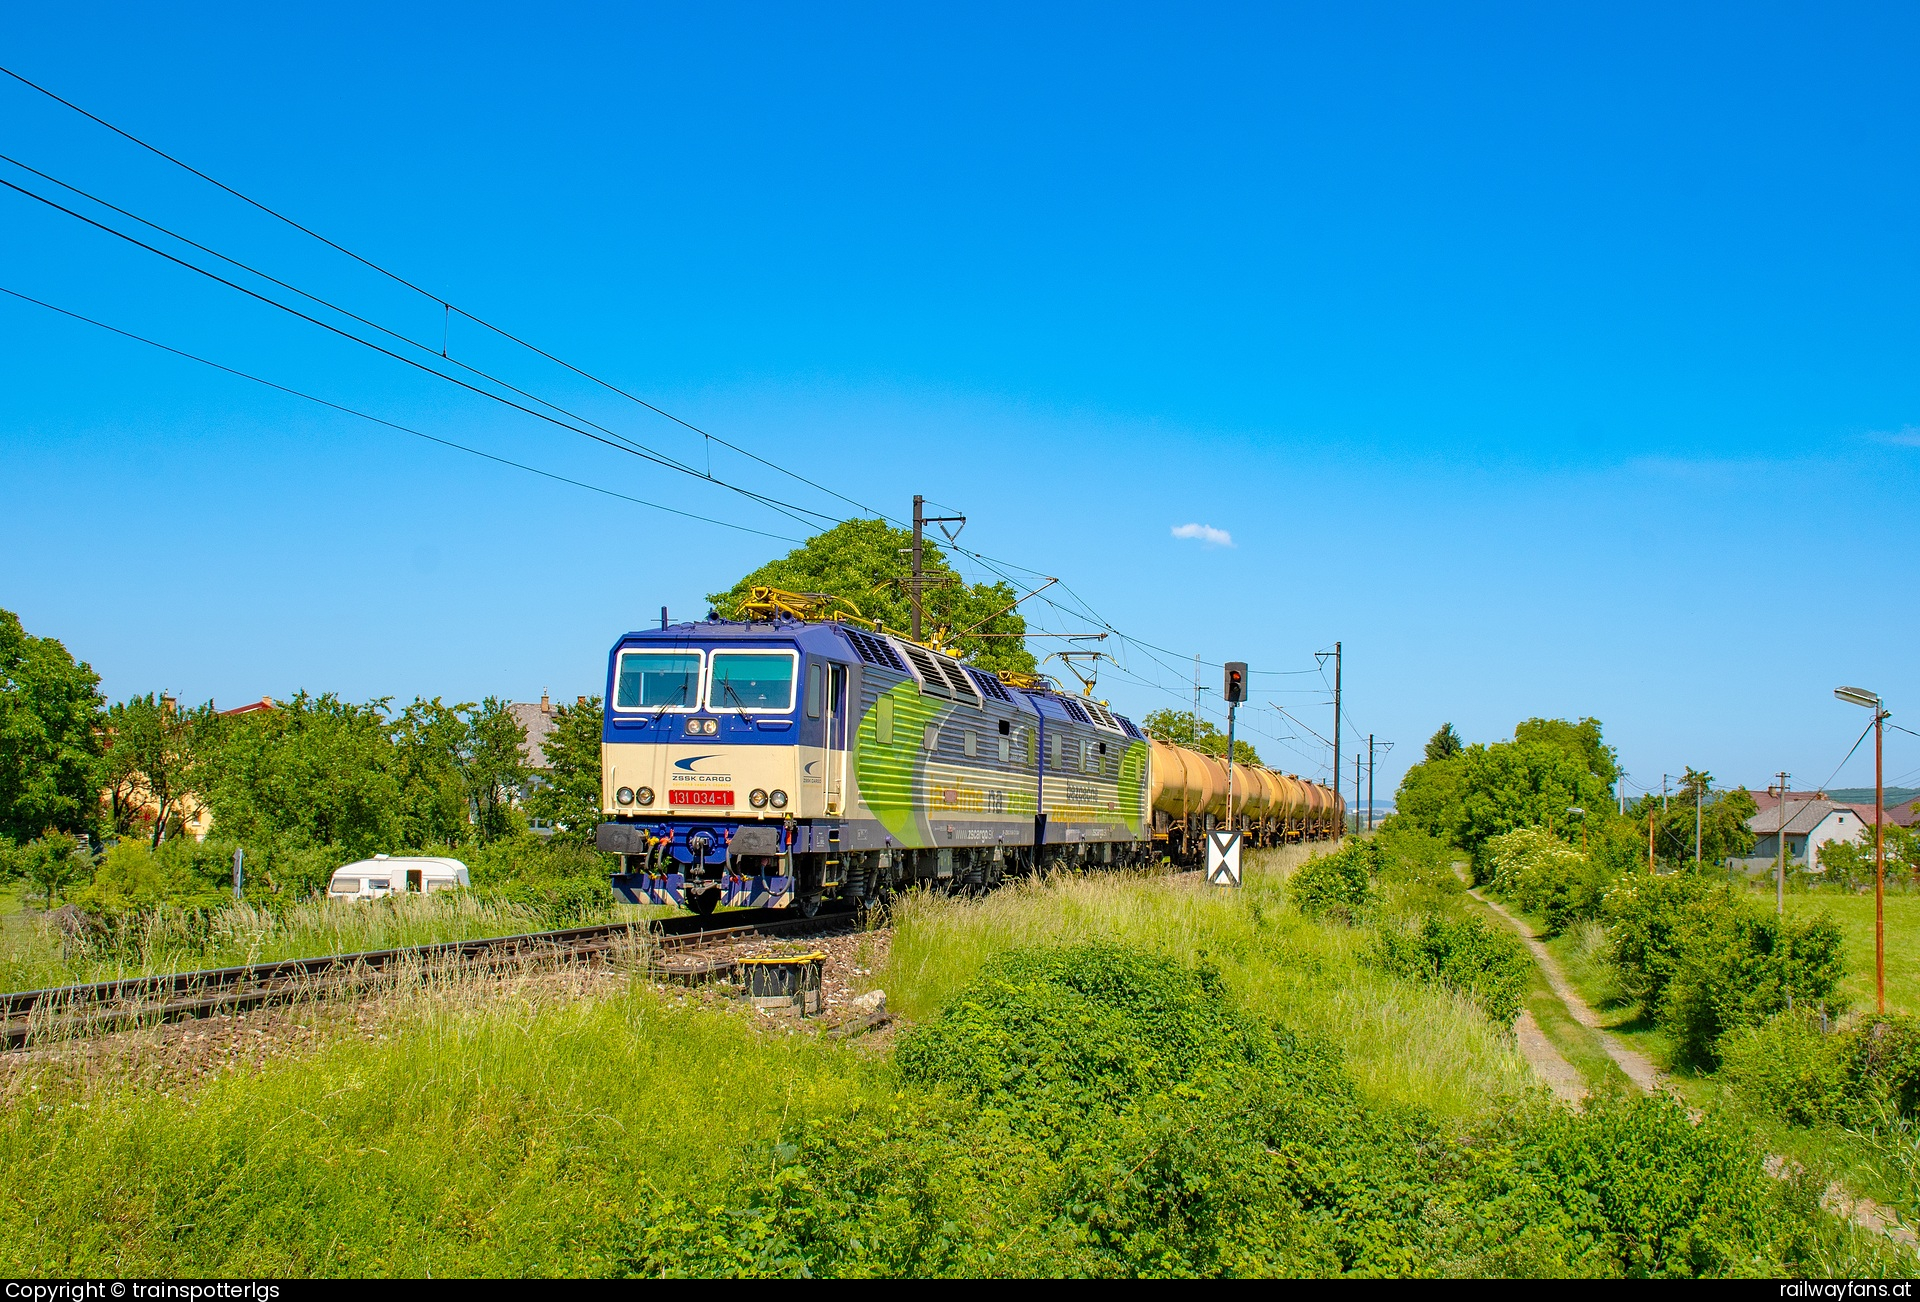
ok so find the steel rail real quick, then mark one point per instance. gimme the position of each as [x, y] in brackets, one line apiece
[201, 992]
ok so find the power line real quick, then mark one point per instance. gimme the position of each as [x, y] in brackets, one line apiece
[431, 438]
[446, 306]
[617, 445]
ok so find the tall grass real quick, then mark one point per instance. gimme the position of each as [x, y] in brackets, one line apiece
[485, 1129]
[1404, 1043]
[35, 953]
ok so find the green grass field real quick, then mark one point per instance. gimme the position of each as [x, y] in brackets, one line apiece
[489, 1130]
[1854, 913]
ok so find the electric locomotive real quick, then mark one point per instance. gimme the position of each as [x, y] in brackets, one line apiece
[782, 761]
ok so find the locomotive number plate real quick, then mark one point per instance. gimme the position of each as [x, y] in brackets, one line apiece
[702, 796]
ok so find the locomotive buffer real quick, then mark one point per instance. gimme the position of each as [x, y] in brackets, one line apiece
[1223, 843]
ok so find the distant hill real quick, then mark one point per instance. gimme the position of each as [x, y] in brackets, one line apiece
[1864, 795]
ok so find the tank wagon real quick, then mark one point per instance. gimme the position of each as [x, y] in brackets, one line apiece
[783, 762]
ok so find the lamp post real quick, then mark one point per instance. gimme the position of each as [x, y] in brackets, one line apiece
[1871, 700]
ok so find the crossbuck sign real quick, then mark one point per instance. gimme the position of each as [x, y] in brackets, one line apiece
[1223, 858]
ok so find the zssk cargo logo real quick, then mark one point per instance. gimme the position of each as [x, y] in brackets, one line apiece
[688, 774]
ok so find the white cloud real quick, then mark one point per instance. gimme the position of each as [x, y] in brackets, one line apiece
[1206, 533]
[1908, 437]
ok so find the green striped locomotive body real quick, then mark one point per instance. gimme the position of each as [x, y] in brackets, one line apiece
[788, 762]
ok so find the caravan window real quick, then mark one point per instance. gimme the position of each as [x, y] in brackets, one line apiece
[658, 680]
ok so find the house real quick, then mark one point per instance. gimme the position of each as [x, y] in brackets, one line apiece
[536, 722]
[1901, 814]
[1807, 824]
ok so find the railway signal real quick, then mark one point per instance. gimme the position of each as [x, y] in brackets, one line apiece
[1223, 846]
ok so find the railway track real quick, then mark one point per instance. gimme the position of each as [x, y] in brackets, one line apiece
[110, 1005]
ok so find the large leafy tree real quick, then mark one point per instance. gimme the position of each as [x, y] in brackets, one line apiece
[570, 795]
[1185, 728]
[494, 767]
[1551, 767]
[315, 770]
[49, 715]
[865, 562]
[429, 739]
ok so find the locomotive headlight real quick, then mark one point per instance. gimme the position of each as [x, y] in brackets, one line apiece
[759, 799]
[644, 795]
[624, 796]
[778, 799]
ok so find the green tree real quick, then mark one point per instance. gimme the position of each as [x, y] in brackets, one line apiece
[51, 863]
[429, 740]
[314, 770]
[1444, 744]
[49, 716]
[862, 561]
[570, 792]
[1184, 728]
[151, 757]
[495, 767]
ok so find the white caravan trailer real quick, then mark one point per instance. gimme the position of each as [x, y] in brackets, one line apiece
[369, 879]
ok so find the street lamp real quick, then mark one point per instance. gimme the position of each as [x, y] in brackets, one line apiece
[1871, 700]
[1582, 814]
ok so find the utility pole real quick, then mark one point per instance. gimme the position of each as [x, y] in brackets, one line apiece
[1780, 850]
[1699, 792]
[1369, 782]
[1663, 793]
[1861, 696]
[920, 521]
[1649, 837]
[1336, 724]
[1356, 793]
[1879, 869]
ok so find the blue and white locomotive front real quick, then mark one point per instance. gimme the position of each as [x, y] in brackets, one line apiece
[718, 738]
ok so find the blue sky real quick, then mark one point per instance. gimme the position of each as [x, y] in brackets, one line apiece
[1556, 362]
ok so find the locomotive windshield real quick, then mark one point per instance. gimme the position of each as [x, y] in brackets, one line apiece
[751, 680]
[658, 680]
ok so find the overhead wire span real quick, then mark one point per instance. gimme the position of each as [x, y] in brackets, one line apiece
[448, 308]
[378, 420]
[616, 444]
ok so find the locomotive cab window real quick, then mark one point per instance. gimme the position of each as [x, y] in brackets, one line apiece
[813, 691]
[657, 680]
[752, 682]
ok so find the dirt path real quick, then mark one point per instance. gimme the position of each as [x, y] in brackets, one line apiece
[1561, 1076]
[1638, 1067]
[1863, 1212]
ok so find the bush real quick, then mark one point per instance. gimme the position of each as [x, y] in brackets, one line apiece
[1097, 1111]
[1702, 961]
[1546, 876]
[1465, 954]
[1335, 885]
[1791, 1066]
[568, 885]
